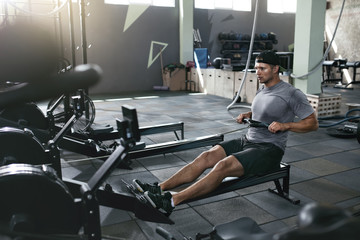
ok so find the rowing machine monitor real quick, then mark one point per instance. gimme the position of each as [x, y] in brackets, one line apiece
[130, 120]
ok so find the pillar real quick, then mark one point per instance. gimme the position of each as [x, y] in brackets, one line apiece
[186, 8]
[309, 43]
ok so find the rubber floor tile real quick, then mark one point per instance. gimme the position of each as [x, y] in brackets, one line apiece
[320, 166]
[231, 209]
[322, 190]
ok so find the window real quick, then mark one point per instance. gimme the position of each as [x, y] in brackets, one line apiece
[164, 3]
[160, 3]
[205, 4]
[242, 5]
[226, 4]
[237, 5]
[281, 6]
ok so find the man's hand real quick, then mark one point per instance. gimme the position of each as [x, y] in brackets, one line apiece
[241, 117]
[276, 127]
[307, 124]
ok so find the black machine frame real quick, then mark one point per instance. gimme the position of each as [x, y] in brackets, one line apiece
[88, 196]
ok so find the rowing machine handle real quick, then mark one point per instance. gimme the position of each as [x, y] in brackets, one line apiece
[164, 233]
[246, 120]
[253, 123]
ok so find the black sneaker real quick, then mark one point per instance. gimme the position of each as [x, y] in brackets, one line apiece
[160, 201]
[143, 187]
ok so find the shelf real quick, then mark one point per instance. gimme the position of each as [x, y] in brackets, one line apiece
[244, 41]
[238, 51]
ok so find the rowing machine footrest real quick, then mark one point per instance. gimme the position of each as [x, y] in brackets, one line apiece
[96, 129]
[138, 146]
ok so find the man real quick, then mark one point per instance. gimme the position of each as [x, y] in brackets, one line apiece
[259, 151]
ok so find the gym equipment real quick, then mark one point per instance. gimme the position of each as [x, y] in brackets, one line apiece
[61, 109]
[339, 65]
[253, 123]
[12, 138]
[221, 63]
[176, 146]
[91, 142]
[235, 183]
[48, 204]
[348, 130]
[315, 222]
[43, 152]
[354, 66]
[36, 200]
[54, 206]
[133, 190]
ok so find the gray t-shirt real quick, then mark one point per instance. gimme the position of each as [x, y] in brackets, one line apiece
[280, 103]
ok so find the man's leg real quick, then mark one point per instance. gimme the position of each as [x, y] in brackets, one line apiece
[193, 170]
[188, 173]
[228, 167]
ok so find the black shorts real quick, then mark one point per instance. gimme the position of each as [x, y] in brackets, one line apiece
[256, 158]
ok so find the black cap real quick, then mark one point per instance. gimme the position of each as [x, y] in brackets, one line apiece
[269, 57]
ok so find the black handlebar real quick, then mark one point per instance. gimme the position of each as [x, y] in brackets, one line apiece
[253, 123]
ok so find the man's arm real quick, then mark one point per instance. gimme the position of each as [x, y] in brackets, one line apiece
[307, 124]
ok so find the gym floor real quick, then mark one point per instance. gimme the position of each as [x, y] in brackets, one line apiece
[323, 168]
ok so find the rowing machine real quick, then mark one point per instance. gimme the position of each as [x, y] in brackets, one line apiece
[36, 200]
[94, 143]
[235, 183]
[47, 204]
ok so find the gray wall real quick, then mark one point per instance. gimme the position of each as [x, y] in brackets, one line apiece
[123, 56]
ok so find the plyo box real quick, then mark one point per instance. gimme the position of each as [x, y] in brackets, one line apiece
[325, 105]
[175, 80]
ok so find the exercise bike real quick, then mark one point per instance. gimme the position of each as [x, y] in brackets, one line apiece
[36, 202]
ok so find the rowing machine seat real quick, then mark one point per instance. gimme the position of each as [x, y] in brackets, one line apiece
[241, 229]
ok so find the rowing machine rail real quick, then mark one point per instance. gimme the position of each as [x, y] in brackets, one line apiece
[235, 183]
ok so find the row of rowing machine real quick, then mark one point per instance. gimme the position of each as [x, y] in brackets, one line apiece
[36, 200]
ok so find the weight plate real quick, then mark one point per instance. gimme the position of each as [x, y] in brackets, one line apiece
[340, 133]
